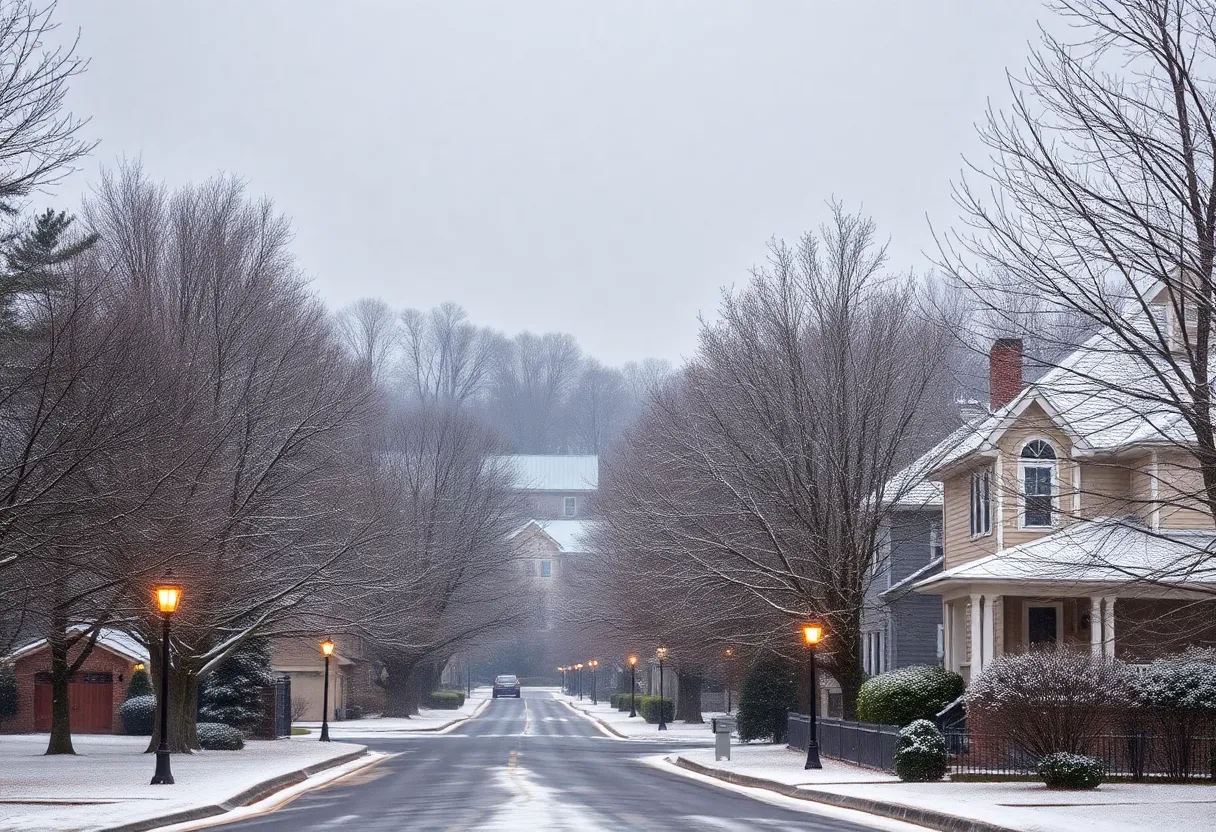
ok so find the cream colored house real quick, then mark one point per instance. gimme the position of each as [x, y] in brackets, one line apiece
[1070, 517]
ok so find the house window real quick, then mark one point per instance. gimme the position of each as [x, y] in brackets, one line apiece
[546, 569]
[1038, 466]
[570, 506]
[941, 641]
[873, 656]
[935, 540]
[981, 503]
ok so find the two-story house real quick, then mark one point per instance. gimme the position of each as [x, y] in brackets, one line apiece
[1070, 517]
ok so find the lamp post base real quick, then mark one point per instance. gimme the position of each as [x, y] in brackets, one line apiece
[163, 775]
[812, 756]
[325, 732]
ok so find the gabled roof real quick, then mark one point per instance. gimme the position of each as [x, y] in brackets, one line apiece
[115, 641]
[570, 536]
[1106, 550]
[902, 588]
[909, 489]
[553, 472]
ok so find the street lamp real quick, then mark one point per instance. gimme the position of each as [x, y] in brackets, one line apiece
[562, 671]
[593, 664]
[327, 650]
[633, 687]
[578, 677]
[661, 652]
[812, 634]
[728, 655]
[167, 597]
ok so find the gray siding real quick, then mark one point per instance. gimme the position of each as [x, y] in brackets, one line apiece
[908, 622]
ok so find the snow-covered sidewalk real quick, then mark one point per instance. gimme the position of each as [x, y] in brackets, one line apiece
[106, 785]
[619, 723]
[995, 807]
[428, 720]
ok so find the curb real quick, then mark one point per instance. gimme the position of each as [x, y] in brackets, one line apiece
[253, 794]
[596, 720]
[929, 818]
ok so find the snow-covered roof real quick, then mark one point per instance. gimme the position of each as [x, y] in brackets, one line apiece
[909, 488]
[115, 641]
[1100, 395]
[554, 472]
[1106, 550]
[902, 587]
[571, 536]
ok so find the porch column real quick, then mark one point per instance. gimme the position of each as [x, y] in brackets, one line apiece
[977, 636]
[989, 628]
[948, 636]
[1095, 626]
[958, 634]
[1108, 627]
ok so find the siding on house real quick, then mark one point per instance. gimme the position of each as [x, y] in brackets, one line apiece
[961, 547]
[1179, 482]
[1034, 423]
[1106, 488]
[908, 622]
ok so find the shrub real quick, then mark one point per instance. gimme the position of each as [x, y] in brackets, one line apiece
[139, 684]
[903, 696]
[648, 709]
[1070, 771]
[354, 712]
[216, 736]
[770, 691]
[1177, 696]
[137, 714]
[10, 703]
[622, 701]
[232, 694]
[1049, 700]
[446, 700]
[920, 753]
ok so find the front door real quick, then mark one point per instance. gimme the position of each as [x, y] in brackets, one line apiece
[1042, 626]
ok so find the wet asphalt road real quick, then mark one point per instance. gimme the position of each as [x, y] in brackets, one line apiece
[528, 764]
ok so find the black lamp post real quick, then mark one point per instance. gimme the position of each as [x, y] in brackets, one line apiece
[813, 634]
[593, 664]
[562, 671]
[327, 650]
[578, 678]
[728, 655]
[662, 654]
[167, 597]
[633, 687]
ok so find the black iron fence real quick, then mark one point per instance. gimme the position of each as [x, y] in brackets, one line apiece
[860, 743]
[1140, 755]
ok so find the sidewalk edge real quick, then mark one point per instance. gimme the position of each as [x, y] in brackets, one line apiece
[253, 794]
[929, 818]
[594, 719]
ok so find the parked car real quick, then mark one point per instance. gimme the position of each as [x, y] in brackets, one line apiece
[507, 686]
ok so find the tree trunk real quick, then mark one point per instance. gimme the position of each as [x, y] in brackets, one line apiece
[61, 679]
[397, 690]
[688, 708]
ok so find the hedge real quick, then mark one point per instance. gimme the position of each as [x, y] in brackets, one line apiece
[446, 700]
[137, 714]
[648, 708]
[216, 736]
[770, 692]
[620, 701]
[1062, 770]
[903, 696]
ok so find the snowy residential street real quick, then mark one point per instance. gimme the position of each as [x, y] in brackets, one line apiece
[533, 764]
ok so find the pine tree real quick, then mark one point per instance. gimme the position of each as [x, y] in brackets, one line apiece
[31, 259]
[10, 704]
[232, 693]
[139, 685]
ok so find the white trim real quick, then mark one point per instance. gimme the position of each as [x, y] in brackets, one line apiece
[1076, 488]
[1095, 625]
[1054, 465]
[989, 628]
[1026, 606]
[1154, 496]
[977, 636]
[999, 476]
[1108, 627]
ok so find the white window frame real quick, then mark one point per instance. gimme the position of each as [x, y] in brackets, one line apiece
[1026, 607]
[570, 506]
[1054, 465]
[546, 569]
[935, 539]
[941, 641]
[980, 503]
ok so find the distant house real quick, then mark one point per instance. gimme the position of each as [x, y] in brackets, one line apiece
[95, 692]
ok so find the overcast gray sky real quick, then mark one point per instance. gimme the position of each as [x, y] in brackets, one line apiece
[601, 168]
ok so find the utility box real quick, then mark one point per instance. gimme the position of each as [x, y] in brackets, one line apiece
[723, 727]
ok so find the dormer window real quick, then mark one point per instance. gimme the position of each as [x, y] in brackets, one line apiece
[1038, 464]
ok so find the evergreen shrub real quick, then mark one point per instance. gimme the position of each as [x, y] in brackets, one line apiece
[137, 714]
[446, 700]
[920, 753]
[903, 696]
[216, 736]
[10, 703]
[232, 694]
[140, 684]
[1062, 770]
[770, 692]
[648, 709]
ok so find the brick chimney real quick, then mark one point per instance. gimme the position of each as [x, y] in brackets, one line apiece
[1004, 372]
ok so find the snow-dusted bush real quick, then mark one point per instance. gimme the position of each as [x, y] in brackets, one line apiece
[903, 696]
[233, 693]
[139, 685]
[920, 753]
[1177, 699]
[10, 702]
[1071, 771]
[445, 700]
[770, 691]
[216, 736]
[137, 714]
[1049, 700]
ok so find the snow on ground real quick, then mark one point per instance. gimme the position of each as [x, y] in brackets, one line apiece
[638, 728]
[428, 720]
[107, 782]
[1028, 807]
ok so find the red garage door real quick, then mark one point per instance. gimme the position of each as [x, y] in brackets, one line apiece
[92, 701]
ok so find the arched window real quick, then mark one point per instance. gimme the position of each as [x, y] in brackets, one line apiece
[1038, 464]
